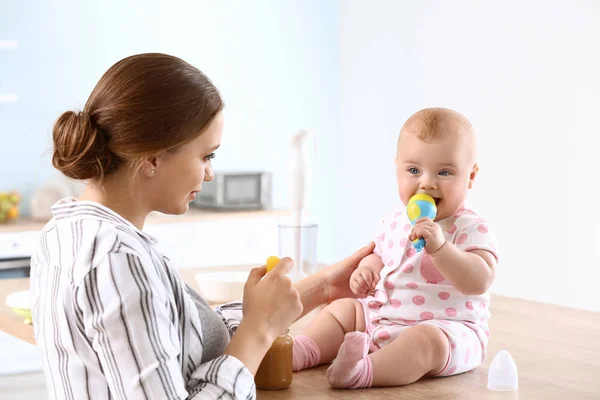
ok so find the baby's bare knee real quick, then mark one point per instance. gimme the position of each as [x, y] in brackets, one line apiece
[436, 342]
[349, 313]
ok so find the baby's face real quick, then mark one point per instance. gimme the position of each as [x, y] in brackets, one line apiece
[443, 169]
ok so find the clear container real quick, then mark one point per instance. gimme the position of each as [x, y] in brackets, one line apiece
[299, 242]
[275, 370]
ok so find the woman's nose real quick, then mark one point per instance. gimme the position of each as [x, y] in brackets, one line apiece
[209, 174]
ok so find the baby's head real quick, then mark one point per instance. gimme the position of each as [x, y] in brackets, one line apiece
[436, 155]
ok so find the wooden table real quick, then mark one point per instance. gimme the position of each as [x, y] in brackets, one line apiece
[556, 349]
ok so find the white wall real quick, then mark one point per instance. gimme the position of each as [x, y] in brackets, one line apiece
[526, 74]
[274, 61]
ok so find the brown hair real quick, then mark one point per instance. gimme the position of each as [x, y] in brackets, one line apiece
[142, 105]
[428, 123]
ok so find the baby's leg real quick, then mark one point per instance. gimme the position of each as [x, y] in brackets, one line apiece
[417, 351]
[325, 334]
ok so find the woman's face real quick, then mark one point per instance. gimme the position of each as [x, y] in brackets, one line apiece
[179, 173]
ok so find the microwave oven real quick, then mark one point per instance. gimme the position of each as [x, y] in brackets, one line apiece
[247, 190]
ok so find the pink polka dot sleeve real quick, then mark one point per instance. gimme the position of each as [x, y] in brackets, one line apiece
[473, 233]
[380, 236]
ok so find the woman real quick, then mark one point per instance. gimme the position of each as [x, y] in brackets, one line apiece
[112, 317]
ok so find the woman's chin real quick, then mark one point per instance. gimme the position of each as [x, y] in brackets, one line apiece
[173, 209]
[184, 208]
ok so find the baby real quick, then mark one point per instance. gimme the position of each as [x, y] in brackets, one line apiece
[418, 313]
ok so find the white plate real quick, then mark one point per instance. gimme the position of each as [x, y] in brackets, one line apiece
[222, 286]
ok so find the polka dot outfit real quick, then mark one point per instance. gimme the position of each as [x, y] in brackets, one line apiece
[412, 291]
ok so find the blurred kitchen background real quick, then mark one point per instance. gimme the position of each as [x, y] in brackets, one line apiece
[524, 72]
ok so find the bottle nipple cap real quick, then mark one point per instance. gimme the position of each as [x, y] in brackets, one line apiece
[503, 374]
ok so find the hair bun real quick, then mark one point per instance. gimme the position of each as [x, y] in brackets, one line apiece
[81, 150]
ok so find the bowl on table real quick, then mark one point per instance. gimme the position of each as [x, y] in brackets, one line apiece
[20, 303]
[221, 286]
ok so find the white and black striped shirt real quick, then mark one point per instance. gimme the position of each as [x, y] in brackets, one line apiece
[114, 320]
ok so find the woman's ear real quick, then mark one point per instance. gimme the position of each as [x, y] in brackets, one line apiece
[149, 166]
[473, 174]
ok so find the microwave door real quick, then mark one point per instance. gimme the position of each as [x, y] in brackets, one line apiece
[242, 190]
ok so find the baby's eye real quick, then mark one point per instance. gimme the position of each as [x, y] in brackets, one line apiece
[413, 170]
[445, 173]
[211, 156]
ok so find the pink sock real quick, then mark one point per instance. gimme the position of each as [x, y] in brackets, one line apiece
[305, 354]
[352, 368]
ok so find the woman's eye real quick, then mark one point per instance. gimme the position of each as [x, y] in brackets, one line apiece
[211, 156]
[413, 170]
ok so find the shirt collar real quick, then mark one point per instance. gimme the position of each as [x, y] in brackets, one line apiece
[71, 208]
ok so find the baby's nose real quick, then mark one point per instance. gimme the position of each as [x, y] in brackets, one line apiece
[427, 183]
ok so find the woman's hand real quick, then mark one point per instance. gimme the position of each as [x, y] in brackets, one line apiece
[271, 302]
[337, 276]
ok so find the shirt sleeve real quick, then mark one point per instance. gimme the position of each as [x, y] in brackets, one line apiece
[225, 377]
[231, 314]
[124, 310]
[475, 234]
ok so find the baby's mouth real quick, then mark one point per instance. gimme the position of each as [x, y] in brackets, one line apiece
[435, 199]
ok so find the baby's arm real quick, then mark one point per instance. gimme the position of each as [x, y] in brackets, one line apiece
[471, 272]
[364, 279]
[470, 264]
[373, 261]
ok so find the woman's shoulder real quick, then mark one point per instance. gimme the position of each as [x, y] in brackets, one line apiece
[83, 243]
[83, 234]
[93, 227]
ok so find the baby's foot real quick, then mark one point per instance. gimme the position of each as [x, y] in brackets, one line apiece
[305, 353]
[352, 367]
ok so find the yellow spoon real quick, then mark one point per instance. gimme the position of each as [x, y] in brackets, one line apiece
[272, 262]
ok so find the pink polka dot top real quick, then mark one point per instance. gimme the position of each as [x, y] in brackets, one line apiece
[411, 289]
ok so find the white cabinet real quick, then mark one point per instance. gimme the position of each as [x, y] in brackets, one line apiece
[18, 244]
[197, 239]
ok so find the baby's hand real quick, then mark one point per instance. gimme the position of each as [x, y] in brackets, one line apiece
[363, 281]
[430, 231]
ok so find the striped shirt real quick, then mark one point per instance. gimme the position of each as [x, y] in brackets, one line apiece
[114, 320]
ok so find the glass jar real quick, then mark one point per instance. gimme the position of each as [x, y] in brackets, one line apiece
[275, 370]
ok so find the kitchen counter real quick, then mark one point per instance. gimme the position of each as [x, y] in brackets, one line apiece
[194, 214]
